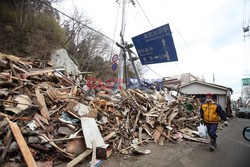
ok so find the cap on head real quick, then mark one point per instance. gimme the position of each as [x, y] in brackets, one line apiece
[209, 97]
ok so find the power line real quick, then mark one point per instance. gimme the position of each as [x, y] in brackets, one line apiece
[183, 40]
[144, 13]
[154, 71]
[116, 22]
[77, 21]
[148, 66]
[153, 27]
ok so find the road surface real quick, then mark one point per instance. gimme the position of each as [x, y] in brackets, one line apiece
[233, 151]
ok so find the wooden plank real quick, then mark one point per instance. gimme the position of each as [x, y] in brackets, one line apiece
[76, 146]
[91, 132]
[44, 120]
[163, 134]
[15, 117]
[146, 128]
[80, 157]
[157, 134]
[136, 120]
[8, 139]
[69, 155]
[31, 95]
[33, 71]
[41, 100]
[93, 160]
[12, 69]
[140, 134]
[200, 140]
[23, 102]
[29, 160]
[162, 140]
[120, 144]
[146, 140]
[109, 136]
[169, 124]
[159, 118]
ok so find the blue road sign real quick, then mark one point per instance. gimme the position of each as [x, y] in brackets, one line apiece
[155, 46]
[114, 66]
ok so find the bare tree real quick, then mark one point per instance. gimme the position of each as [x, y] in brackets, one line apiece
[84, 44]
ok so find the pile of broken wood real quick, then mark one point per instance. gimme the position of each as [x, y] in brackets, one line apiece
[46, 116]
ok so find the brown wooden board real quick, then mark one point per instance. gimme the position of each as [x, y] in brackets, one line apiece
[29, 160]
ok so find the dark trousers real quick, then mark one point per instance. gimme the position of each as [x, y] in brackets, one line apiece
[211, 129]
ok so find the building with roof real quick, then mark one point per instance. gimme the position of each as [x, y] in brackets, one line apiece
[221, 94]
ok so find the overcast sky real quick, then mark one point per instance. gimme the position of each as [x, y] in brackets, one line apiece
[207, 34]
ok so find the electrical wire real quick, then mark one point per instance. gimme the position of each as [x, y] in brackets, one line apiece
[153, 27]
[183, 39]
[144, 14]
[92, 29]
[116, 22]
[154, 71]
[126, 19]
[148, 66]
[244, 12]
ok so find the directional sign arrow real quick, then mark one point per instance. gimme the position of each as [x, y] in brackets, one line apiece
[165, 49]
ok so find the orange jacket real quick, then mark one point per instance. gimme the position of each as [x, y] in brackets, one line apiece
[211, 113]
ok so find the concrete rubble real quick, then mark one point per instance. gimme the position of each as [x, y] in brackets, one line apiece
[47, 118]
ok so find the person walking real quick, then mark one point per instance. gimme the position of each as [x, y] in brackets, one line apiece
[211, 113]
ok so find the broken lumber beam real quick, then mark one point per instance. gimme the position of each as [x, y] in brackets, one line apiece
[33, 71]
[133, 145]
[162, 140]
[9, 101]
[163, 134]
[157, 134]
[140, 134]
[109, 136]
[136, 120]
[159, 118]
[43, 107]
[58, 148]
[29, 159]
[83, 155]
[200, 140]
[79, 158]
[8, 139]
[93, 159]
[169, 124]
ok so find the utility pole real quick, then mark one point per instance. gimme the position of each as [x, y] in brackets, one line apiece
[124, 47]
[122, 57]
[133, 59]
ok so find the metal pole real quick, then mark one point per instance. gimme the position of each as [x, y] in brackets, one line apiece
[133, 64]
[121, 56]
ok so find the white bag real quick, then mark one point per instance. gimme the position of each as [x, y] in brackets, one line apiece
[202, 129]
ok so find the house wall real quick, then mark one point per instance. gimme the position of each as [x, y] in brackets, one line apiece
[221, 99]
[198, 89]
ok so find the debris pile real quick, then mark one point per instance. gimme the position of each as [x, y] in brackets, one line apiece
[47, 116]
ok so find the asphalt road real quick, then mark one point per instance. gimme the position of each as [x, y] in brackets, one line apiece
[232, 151]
